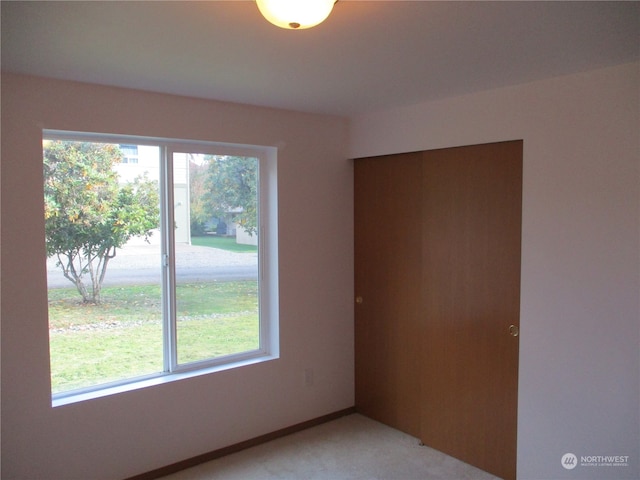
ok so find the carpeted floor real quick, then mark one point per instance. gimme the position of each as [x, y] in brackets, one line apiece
[353, 447]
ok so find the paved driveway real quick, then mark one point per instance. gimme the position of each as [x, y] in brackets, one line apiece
[140, 264]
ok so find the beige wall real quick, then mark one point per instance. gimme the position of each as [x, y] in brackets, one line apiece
[122, 435]
[579, 343]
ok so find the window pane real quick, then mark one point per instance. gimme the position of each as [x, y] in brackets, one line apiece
[216, 234]
[152, 271]
[103, 266]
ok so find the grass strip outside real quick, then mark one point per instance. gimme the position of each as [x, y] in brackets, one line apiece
[122, 337]
[224, 243]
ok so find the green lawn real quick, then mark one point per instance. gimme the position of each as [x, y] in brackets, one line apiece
[122, 337]
[225, 243]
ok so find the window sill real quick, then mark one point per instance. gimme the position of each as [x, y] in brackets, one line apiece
[162, 378]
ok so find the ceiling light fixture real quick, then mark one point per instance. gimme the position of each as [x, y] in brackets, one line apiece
[295, 14]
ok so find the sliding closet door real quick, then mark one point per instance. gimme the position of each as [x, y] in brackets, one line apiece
[471, 289]
[388, 218]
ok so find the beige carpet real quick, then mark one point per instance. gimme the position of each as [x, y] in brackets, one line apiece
[353, 447]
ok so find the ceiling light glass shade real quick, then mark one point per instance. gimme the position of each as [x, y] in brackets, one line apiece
[295, 14]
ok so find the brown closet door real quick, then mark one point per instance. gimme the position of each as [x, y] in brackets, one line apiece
[471, 292]
[388, 220]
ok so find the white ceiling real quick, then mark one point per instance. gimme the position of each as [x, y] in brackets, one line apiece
[369, 55]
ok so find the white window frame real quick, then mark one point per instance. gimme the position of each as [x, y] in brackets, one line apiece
[269, 348]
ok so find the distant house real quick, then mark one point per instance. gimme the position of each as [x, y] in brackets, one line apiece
[144, 160]
[141, 160]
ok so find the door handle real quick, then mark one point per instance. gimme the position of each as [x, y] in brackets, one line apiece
[514, 331]
[359, 300]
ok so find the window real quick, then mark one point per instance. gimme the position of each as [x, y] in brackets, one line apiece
[129, 153]
[160, 268]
